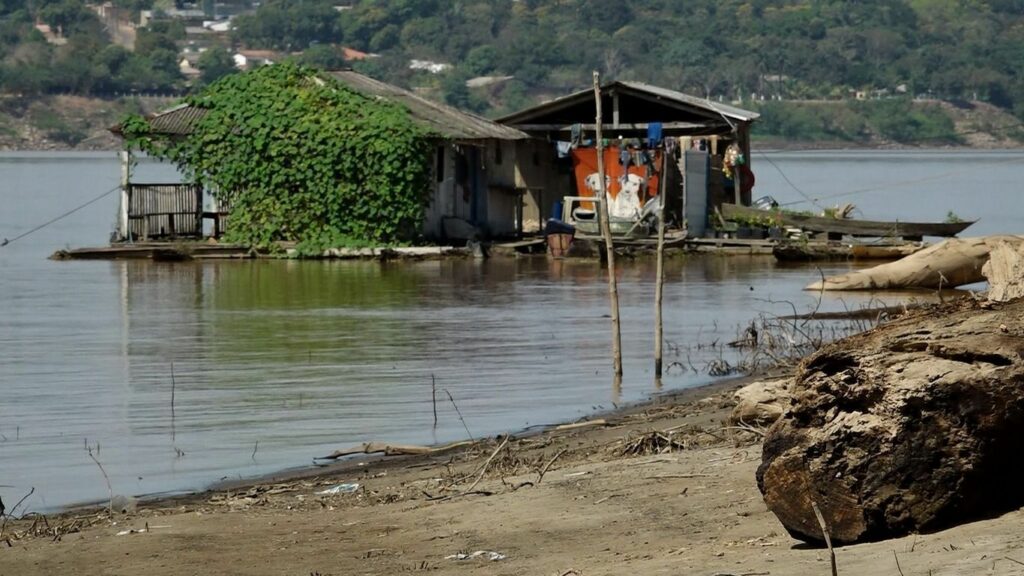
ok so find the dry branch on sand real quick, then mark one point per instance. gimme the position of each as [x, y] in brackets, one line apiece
[394, 449]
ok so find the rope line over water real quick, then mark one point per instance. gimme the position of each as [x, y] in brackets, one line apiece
[5, 241]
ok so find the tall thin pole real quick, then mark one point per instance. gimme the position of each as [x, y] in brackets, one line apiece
[606, 233]
[126, 182]
[659, 283]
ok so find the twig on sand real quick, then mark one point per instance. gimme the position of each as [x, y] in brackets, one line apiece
[1013, 560]
[11, 512]
[746, 428]
[585, 424]
[828, 539]
[393, 449]
[487, 464]
[544, 470]
[480, 474]
[897, 562]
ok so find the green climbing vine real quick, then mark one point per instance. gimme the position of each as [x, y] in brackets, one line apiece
[299, 156]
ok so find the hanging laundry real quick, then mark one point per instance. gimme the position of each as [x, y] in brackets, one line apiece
[654, 130]
[625, 158]
[670, 146]
[576, 135]
[563, 149]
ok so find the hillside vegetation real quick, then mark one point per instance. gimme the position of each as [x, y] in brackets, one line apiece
[790, 49]
[817, 69]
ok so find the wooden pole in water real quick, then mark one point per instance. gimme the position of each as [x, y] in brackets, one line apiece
[606, 233]
[126, 181]
[659, 285]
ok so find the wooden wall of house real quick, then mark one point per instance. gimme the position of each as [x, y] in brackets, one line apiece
[460, 201]
[538, 175]
[503, 201]
[440, 182]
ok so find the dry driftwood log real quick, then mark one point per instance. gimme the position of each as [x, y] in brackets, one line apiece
[1005, 272]
[392, 449]
[948, 264]
[913, 426]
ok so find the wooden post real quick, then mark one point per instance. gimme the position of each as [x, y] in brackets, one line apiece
[659, 282]
[126, 182]
[606, 233]
[684, 148]
[615, 109]
[737, 176]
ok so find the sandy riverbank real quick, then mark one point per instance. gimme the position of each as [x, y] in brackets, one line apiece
[606, 503]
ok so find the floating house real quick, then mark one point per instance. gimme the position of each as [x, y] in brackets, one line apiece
[507, 178]
[475, 194]
[706, 141]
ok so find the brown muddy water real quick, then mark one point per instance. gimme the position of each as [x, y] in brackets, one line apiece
[277, 362]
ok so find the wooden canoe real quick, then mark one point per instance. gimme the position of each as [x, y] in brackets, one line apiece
[847, 227]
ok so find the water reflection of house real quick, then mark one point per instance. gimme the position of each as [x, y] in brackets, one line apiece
[476, 175]
[640, 118]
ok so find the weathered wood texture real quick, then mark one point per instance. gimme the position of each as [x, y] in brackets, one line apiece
[913, 426]
[948, 264]
[165, 211]
[1005, 272]
[606, 234]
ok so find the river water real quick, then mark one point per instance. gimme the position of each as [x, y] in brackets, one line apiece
[272, 363]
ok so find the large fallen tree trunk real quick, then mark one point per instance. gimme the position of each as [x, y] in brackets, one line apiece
[912, 426]
[1005, 272]
[948, 264]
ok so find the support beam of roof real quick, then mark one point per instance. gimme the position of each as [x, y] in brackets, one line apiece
[711, 115]
[712, 126]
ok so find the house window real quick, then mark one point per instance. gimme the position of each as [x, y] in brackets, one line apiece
[439, 169]
[497, 154]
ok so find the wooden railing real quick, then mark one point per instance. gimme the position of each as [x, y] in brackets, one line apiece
[165, 211]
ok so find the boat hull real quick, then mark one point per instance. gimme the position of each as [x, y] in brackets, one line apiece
[848, 227]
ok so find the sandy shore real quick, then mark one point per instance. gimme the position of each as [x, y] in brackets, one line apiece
[663, 488]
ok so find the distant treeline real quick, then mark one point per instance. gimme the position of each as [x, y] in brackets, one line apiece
[770, 50]
[788, 49]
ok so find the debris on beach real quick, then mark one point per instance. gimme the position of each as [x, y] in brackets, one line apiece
[346, 488]
[486, 554]
[760, 403]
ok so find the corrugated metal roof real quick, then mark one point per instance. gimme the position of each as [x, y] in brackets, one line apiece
[724, 109]
[670, 96]
[177, 121]
[439, 118]
[442, 119]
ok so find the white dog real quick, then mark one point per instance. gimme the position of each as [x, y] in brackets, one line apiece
[627, 204]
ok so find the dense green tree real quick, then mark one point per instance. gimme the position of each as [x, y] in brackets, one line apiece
[324, 57]
[290, 25]
[302, 160]
[215, 64]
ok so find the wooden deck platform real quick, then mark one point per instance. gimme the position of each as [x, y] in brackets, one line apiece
[167, 251]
